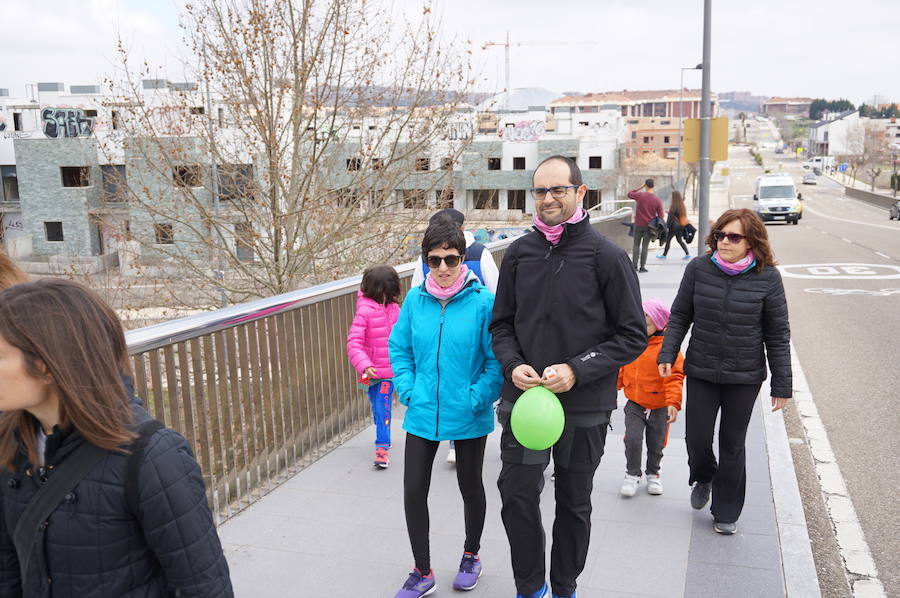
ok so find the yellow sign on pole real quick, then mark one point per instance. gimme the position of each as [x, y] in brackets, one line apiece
[718, 139]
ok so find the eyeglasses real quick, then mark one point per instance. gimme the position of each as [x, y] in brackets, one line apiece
[434, 261]
[557, 192]
[732, 237]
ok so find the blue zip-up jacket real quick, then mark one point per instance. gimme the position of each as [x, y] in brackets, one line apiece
[445, 371]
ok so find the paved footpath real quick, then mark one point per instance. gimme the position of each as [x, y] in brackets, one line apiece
[337, 528]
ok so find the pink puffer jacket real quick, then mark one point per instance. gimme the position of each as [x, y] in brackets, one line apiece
[367, 341]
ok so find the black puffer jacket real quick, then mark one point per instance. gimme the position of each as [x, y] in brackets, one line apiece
[577, 303]
[95, 547]
[732, 317]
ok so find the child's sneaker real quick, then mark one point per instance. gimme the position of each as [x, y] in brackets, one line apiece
[469, 572]
[381, 458]
[451, 455]
[654, 485]
[629, 485]
[417, 585]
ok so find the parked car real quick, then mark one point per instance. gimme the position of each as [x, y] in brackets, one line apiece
[895, 210]
[809, 178]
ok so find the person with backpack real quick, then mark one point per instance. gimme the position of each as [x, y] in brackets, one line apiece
[97, 499]
[676, 223]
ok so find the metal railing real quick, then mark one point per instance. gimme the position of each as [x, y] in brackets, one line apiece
[262, 389]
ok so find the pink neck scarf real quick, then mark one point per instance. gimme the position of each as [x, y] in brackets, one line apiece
[439, 292]
[553, 233]
[737, 267]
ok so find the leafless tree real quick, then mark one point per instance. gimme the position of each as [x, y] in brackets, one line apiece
[325, 128]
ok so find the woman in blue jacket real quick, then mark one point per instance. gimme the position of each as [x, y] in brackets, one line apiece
[446, 374]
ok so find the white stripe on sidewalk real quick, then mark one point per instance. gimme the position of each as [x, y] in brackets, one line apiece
[850, 538]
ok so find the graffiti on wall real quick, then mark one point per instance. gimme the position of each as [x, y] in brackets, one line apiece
[66, 122]
[524, 130]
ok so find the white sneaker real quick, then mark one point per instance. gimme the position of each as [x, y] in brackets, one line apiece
[654, 485]
[451, 456]
[629, 485]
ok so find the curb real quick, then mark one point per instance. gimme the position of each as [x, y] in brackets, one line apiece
[798, 567]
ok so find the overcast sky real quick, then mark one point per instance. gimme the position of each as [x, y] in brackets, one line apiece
[826, 48]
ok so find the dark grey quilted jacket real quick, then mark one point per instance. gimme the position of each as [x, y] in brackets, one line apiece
[95, 547]
[733, 318]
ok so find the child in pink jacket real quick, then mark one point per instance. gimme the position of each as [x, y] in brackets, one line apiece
[377, 309]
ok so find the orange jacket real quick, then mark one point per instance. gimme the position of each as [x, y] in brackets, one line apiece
[642, 383]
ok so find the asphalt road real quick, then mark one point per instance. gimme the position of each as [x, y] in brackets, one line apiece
[846, 333]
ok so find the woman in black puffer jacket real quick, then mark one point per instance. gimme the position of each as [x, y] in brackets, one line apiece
[65, 402]
[735, 300]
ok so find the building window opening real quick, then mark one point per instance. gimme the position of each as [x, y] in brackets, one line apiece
[54, 231]
[165, 233]
[75, 176]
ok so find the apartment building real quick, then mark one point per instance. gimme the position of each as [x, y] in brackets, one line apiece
[67, 157]
[652, 118]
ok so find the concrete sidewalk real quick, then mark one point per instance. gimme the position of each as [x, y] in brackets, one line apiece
[338, 529]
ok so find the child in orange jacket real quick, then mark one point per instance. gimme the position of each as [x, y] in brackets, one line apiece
[653, 403]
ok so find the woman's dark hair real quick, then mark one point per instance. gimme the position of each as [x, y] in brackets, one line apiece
[69, 335]
[676, 205]
[381, 284]
[443, 233]
[754, 229]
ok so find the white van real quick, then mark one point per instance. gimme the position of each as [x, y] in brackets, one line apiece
[776, 199]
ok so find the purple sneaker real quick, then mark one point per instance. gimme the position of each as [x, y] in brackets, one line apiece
[417, 585]
[469, 572]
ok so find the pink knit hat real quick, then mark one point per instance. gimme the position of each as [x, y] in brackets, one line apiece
[658, 313]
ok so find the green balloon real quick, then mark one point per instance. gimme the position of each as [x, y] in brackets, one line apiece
[537, 419]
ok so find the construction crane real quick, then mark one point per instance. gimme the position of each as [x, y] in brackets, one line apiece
[507, 44]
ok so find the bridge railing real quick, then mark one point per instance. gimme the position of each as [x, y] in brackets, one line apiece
[264, 388]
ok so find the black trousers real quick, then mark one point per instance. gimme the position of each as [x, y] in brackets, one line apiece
[678, 235]
[575, 459]
[729, 475]
[418, 461]
[641, 246]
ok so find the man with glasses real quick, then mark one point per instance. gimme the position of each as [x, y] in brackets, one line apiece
[566, 316]
[647, 206]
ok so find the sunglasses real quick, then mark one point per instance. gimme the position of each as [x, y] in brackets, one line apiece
[434, 261]
[732, 237]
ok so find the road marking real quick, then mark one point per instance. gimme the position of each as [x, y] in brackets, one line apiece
[841, 271]
[878, 293]
[885, 256]
[844, 522]
[818, 213]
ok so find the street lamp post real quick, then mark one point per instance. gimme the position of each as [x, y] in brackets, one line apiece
[681, 121]
[705, 114]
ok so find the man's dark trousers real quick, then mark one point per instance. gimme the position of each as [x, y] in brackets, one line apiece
[641, 246]
[575, 459]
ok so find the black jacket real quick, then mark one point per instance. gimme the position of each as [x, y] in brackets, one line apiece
[95, 547]
[578, 303]
[732, 317]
